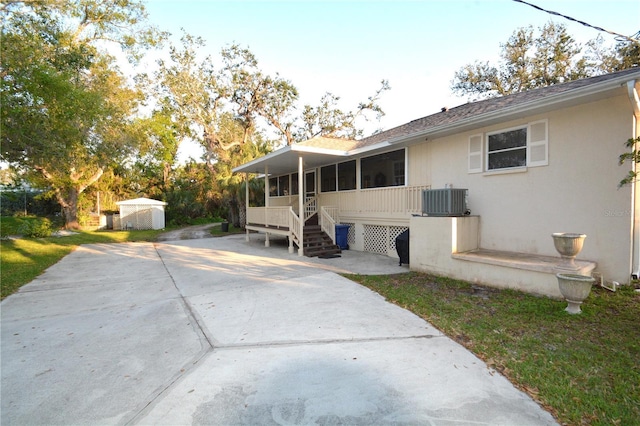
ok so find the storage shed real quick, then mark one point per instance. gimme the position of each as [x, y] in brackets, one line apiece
[141, 213]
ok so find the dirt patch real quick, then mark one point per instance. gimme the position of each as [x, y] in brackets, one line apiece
[189, 233]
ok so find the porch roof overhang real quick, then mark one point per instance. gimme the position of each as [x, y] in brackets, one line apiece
[285, 159]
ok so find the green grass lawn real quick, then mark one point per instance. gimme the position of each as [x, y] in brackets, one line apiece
[585, 369]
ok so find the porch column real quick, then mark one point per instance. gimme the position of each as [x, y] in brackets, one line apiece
[246, 204]
[266, 186]
[301, 201]
[266, 204]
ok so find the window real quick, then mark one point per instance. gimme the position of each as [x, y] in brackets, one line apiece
[328, 178]
[294, 184]
[525, 146]
[283, 185]
[347, 175]
[382, 170]
[507, 149]
[279, 186]
[273, 187]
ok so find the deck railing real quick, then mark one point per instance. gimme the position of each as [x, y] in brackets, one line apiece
[281, 218]
[269, 217]
[391, 200]
[328, 217]
[295, 228]
[310, 207]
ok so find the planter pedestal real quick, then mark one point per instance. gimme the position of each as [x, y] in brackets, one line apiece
[575, 289]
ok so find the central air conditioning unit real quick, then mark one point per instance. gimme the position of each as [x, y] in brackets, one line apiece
[444, 202]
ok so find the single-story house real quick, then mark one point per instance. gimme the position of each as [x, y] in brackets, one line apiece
[527, 165]
[140, 213]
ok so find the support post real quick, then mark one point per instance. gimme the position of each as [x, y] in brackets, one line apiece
[290, 244]
[266, 186]
[246, 205]
[266, 204]
[301, 199]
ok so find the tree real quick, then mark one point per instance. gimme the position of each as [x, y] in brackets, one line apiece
[67, 111]
[204, 96]
[625, 55]
[211, 103]
[159, 150]
[327, 119]
[528, 62]
[232, 107]
[634, 157]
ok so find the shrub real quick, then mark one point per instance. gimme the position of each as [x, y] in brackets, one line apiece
[36, 228]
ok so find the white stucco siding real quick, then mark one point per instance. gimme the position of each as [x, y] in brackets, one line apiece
[576, 192]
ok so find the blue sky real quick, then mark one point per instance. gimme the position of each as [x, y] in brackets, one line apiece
[348, 47]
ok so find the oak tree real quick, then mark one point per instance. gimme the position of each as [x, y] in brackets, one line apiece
[67, 112]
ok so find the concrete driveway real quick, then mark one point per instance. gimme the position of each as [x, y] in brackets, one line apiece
[223, 332]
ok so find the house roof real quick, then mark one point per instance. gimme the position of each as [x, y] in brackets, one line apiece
[336, 144]
[141, 202]
[469, 116]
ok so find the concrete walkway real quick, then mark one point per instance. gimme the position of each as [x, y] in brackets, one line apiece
[223, 332]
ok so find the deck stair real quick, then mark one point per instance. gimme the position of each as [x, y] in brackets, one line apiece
[317, 243]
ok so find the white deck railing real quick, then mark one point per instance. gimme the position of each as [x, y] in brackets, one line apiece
[276, 217]
[281, 218]
[392, 200]
[328, 217]
[295, 228]
[310, 207]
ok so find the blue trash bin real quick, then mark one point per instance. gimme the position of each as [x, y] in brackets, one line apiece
[342, 234]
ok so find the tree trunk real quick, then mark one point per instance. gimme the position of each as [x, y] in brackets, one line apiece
[67, 196]
[70, 208]
[242, 213]
[234, 214]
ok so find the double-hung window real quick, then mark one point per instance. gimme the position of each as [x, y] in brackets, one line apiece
[507, 149]
[515, 148]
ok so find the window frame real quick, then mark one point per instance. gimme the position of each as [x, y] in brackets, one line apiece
[355, 175]
[373, 181]
[524, 148]
[334, 179]
[536, 154]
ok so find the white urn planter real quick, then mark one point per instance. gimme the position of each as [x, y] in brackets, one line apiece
[575, 289]
[568, 245]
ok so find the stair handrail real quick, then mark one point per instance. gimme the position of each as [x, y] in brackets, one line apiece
[327, 219]
[294, 227]
[310, 207]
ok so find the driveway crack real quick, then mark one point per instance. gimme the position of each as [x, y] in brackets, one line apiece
[207, 348]
[281, 343]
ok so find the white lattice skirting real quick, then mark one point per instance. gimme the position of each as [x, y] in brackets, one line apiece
[381, 239]
[351, 235]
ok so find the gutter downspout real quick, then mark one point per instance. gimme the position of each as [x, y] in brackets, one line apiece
[635, 222]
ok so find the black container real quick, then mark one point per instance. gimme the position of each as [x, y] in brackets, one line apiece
[402, 247]
[224, 226]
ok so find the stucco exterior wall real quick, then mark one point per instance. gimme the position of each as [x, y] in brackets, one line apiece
[433, 240]
[576, 192]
